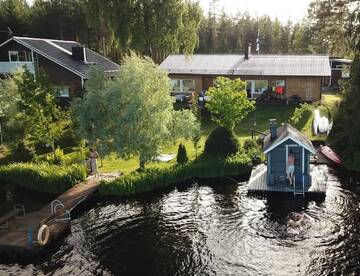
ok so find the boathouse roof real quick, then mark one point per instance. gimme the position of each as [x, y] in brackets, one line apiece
[285, 132]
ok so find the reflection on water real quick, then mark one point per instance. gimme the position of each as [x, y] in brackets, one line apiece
[208, 230]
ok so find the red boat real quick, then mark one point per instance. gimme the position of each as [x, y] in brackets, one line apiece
[330, 154]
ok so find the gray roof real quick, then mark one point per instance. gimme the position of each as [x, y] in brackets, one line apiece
[231, 64]
[285, 132]
[59, 51]
[341, 60]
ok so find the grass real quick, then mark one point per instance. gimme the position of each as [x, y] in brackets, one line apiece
[328, 107]
[258, 119]
[49, 179]
[201, 168]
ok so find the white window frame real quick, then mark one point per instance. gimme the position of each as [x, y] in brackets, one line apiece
[28, 56]
[253, 93]
[12, 53]
[182, 85]
[60, 90]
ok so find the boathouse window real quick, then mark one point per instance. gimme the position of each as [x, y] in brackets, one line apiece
[179, 85]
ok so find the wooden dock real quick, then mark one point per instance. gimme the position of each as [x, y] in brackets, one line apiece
[258, 185]
[21, 233]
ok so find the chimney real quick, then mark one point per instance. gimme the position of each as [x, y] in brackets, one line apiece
[79, 53]
[273, 127]
[247, 50]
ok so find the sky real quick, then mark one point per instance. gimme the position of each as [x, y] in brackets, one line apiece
[282, 9]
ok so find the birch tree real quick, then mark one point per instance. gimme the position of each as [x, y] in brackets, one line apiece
[133, 114]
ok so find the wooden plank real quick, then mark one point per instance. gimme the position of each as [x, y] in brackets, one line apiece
[257, 182]
[17, 234]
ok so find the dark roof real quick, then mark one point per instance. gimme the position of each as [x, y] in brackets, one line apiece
[259, 65]
[59, 51]
[285, 132]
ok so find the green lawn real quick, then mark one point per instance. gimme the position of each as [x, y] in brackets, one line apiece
[258, 119]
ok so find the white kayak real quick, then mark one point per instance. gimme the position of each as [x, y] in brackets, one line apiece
[164, 157]
[321, 124]
[316, 121]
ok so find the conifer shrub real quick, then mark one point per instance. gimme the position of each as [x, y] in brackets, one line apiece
[23, 153]
[182, 157]
[221, 142]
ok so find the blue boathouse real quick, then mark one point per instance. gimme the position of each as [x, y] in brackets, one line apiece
[277, 146]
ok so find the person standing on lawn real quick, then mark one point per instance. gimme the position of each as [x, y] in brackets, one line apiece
[93, 155]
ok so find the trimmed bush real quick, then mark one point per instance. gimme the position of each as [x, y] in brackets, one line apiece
[151, 179]
[56, 158]
[49, 179]
[182, 157]
[250, 144]
[221, 142]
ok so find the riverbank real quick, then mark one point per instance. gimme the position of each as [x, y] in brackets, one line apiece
[42, 177]
[152, 179]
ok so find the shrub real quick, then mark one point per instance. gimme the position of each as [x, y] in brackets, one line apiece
[182, 157]
[202, 168]
[250, 144]
[42, 177]
[221, 142]
[68, 139]
[56, 158]
[23, 153]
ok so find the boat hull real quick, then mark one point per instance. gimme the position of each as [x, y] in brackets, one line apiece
[330, 154]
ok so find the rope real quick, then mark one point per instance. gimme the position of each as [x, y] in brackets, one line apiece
[339, 138]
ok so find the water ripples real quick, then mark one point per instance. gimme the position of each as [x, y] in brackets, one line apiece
[211, 229]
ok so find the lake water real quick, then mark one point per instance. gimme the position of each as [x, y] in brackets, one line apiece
[207, 230]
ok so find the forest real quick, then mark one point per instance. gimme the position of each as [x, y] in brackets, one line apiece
[157, 28]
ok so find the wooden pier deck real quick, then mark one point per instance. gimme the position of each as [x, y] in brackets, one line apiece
[257, 182]
[21, 233]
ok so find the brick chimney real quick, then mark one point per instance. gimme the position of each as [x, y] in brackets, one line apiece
[247, 50]
[273, 128]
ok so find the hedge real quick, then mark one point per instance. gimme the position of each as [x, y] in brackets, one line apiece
[150, 179]
[49, 179]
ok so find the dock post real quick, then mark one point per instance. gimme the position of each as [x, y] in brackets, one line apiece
[30, 238]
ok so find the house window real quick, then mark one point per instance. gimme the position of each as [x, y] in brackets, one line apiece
[175, 85]
[63, 92]
[13, 56]
[182, 85]
[280, 87]
[255, 88]
[261, 86]
[19, 56]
